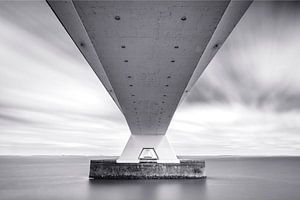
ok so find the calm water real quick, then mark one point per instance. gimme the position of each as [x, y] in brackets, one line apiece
[30, 178]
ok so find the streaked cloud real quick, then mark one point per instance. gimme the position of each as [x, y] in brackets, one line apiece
[246, 102]
[258, 66]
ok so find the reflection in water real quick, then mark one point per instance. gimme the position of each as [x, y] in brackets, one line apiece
[147, 189]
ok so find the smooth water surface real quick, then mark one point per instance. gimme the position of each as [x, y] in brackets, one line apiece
[232, 178]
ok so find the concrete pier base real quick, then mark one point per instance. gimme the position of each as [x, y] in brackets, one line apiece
[110, 169]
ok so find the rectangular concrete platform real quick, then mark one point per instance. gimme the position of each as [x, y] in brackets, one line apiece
[109, 169]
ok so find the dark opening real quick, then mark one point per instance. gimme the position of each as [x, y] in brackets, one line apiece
[183, 18]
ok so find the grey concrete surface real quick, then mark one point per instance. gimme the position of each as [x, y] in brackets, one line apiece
[145, 52]
[109, 169]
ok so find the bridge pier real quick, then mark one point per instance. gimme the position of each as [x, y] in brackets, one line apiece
[147, 157]
[109, 169]
[148, 55]
[155, 144]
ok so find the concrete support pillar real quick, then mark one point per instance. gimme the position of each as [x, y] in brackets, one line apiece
[137, 143]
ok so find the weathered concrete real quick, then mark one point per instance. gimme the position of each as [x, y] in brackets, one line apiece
[109, 169]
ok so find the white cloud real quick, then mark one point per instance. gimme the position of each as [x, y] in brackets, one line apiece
[247, 101]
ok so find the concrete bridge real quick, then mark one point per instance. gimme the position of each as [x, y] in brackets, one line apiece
[148, 55]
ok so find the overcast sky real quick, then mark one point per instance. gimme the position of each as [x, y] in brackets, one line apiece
[247, 102]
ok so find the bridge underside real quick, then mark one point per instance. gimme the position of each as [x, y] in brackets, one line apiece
[148, 55]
